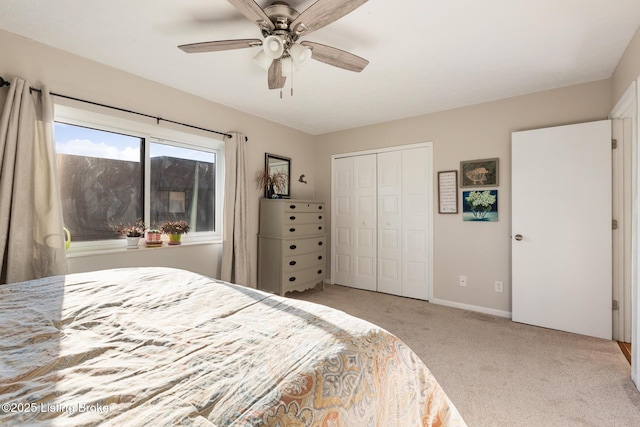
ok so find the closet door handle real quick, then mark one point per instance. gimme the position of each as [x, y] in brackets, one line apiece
[292, 279]
[292, 263]
[292, 218]
[292, 206]
[292, 247]
[292, 230]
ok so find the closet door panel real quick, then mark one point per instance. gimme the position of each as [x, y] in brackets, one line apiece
[416, 180]
[390, 222]
[344, 252]
[365, 193]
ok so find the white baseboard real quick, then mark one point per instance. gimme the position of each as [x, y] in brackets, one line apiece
[476, 308]
[469, 307]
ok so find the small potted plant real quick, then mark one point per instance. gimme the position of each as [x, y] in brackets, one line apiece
[153, 237]
[175, 230]
[132, 231]
[272, 183]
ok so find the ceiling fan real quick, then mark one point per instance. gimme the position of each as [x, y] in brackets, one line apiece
[282, 26]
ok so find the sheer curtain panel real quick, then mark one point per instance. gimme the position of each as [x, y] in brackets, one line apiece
[236, 256]
[31, 227]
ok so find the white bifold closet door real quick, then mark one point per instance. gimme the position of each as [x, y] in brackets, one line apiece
[382, 220]
[355, 221]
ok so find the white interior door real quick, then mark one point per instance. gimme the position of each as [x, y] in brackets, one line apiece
[561, 228]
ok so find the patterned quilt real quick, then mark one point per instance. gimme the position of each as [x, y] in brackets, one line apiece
[158, 346]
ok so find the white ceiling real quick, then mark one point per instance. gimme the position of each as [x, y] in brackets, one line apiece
[425, 55]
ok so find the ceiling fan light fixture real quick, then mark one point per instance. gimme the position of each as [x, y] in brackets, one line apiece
[273, 47]
[299, 53]
[263, 60]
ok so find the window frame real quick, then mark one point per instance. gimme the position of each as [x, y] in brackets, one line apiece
[150, 133]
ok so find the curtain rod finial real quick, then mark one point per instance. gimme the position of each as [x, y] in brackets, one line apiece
[3, 82]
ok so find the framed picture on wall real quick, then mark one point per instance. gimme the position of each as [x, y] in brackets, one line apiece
[481, 205]
[448, 192]
[479, 173]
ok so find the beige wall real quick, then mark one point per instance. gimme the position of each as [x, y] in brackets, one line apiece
[628, 69]
[481, 251]
[74, 76]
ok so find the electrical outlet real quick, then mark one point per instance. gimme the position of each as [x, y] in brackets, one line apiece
[463, 281]
[499, 286]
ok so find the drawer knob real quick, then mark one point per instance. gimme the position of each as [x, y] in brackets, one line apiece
[319, 216]
[292, 218]
[319, 243]
[292, 279]
[292, 263]
[292, 247]
[320, 257]
[319, 271]
[320, 228]
[292, 230]
[292, 206]
[320, 207]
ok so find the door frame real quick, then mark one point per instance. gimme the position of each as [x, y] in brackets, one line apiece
[627, 107]
[430, 192]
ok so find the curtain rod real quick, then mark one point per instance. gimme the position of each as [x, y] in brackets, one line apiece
[3, 82]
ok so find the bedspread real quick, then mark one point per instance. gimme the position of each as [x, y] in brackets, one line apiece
[159, 346]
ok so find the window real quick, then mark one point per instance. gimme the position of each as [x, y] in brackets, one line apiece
[182, 186]
[115, 171]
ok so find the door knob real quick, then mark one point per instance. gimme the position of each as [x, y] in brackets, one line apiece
[518, 237]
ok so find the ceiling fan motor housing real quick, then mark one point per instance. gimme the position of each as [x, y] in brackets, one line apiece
[281, 14]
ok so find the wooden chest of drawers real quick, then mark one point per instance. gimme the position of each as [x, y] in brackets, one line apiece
[291, 245]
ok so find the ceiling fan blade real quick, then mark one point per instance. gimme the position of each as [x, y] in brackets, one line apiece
[336, 57]
[276, 79]
[220, 45]
[254, 13]
[322, 13]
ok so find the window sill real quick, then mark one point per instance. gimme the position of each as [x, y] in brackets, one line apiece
[142, 247]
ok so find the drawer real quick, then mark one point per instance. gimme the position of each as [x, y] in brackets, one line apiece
[304, 207]
[300, 262]
[292, 218]
[302, 276]
[303, 230]
[303, 246]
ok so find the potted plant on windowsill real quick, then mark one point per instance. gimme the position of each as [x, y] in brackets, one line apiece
[153, 237]
[271, 183]
[132, 232]
[175, 230]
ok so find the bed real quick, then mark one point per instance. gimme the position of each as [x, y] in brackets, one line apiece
[160, 346]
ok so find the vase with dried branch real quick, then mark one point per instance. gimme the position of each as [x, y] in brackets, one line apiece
[273, 183]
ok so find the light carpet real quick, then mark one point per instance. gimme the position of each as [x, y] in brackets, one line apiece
[501, 373]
